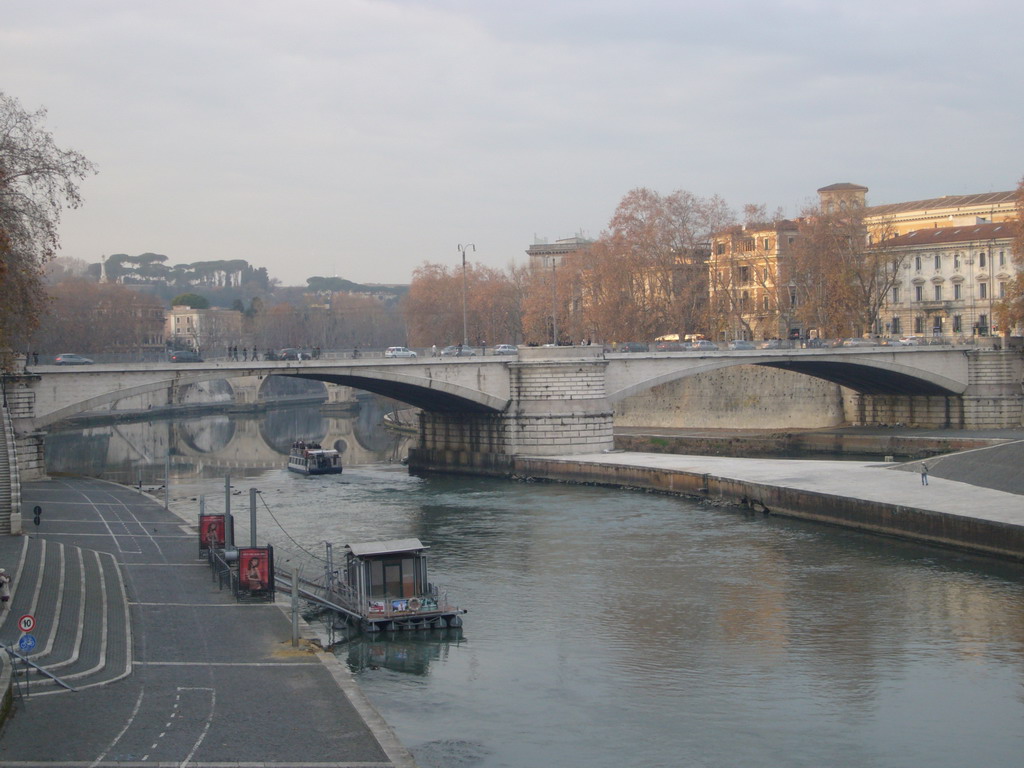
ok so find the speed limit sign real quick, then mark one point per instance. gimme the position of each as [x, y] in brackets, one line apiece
[27, 622]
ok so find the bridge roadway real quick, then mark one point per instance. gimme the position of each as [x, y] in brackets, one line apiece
[487, 385]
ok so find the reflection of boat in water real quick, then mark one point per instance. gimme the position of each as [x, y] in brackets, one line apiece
[408, 652]
[313, 459]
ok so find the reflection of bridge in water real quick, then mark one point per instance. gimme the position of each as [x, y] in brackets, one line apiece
[220, 442]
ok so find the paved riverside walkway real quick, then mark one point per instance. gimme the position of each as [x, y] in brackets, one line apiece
[898, 484]
[169, 670]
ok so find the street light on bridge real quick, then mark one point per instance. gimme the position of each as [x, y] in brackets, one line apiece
[465, 333]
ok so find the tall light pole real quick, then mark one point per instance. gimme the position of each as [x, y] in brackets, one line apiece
[465, 333]
[554, 305]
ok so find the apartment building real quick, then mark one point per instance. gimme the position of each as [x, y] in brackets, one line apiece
[952, 278]
[749, 282]
[959, 265]
[203, 329]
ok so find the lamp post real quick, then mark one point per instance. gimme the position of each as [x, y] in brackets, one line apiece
[790, 306]
[554, 305]
[465, 332]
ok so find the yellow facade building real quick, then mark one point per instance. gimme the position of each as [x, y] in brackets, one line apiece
[956, 266]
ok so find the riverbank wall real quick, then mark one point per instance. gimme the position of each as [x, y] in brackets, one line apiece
[795, 443]
[966, 532]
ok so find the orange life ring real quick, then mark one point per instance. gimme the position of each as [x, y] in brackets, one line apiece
[414, 604]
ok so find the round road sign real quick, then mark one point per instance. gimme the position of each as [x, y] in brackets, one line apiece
[27, 643]
[27, 622]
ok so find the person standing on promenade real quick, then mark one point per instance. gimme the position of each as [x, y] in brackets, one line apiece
[924, 473]
[5, 589]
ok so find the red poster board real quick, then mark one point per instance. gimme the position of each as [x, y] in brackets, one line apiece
[255, 569]
[211, 532]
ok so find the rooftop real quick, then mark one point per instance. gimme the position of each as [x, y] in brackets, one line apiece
[963, 234]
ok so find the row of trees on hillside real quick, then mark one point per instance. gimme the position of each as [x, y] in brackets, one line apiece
[92, 318]
[85, 316]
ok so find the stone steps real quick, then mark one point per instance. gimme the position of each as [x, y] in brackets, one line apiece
[83, 625]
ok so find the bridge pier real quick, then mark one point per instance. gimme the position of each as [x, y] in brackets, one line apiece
[993, 399]
[558, 406]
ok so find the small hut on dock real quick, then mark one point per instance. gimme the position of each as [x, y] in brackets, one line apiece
[385, 584]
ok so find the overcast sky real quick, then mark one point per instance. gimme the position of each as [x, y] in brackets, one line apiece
[360, 138]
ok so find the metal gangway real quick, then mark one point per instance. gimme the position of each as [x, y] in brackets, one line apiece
[310, 591]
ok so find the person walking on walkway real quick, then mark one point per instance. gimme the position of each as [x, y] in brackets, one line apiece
[924, 473]
[5, 589]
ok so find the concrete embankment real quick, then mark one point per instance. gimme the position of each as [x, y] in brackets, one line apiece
[865, 496]
[765, 443]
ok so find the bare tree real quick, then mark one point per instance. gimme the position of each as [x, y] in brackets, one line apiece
[85, 316]
[1010, 311]
[843, 270]
[645, 276]
[37, 180]
[433, 308]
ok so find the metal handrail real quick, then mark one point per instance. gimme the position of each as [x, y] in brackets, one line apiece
[15, 655]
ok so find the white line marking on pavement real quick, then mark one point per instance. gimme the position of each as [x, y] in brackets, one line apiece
[127, 725]
[206, 726]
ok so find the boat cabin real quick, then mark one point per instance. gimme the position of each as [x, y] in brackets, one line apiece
[387, 570]
[386, 584]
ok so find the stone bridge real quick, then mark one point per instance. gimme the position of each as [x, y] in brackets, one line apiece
[553, 400]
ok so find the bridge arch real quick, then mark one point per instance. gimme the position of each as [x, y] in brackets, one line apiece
[419, 391]
[864, 375]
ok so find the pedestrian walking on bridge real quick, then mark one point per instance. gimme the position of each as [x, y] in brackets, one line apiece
[924, 473]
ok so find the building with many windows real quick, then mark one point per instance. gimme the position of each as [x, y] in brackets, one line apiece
[958, 269]
[202, 329]
[545, 255]
[749, 282]
[952, 279]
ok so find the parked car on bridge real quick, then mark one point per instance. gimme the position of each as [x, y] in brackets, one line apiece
[293, 353]
[456, 350]
[668, 346]
[631, 346]
[860, 342]
[703, 345]
[399, 352]
[183, 356]
[506, 349]
[70, 358]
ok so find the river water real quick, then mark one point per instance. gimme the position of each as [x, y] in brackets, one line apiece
[609, 628]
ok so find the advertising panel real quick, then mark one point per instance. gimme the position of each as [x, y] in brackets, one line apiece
[256, 570]
[211, 532]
